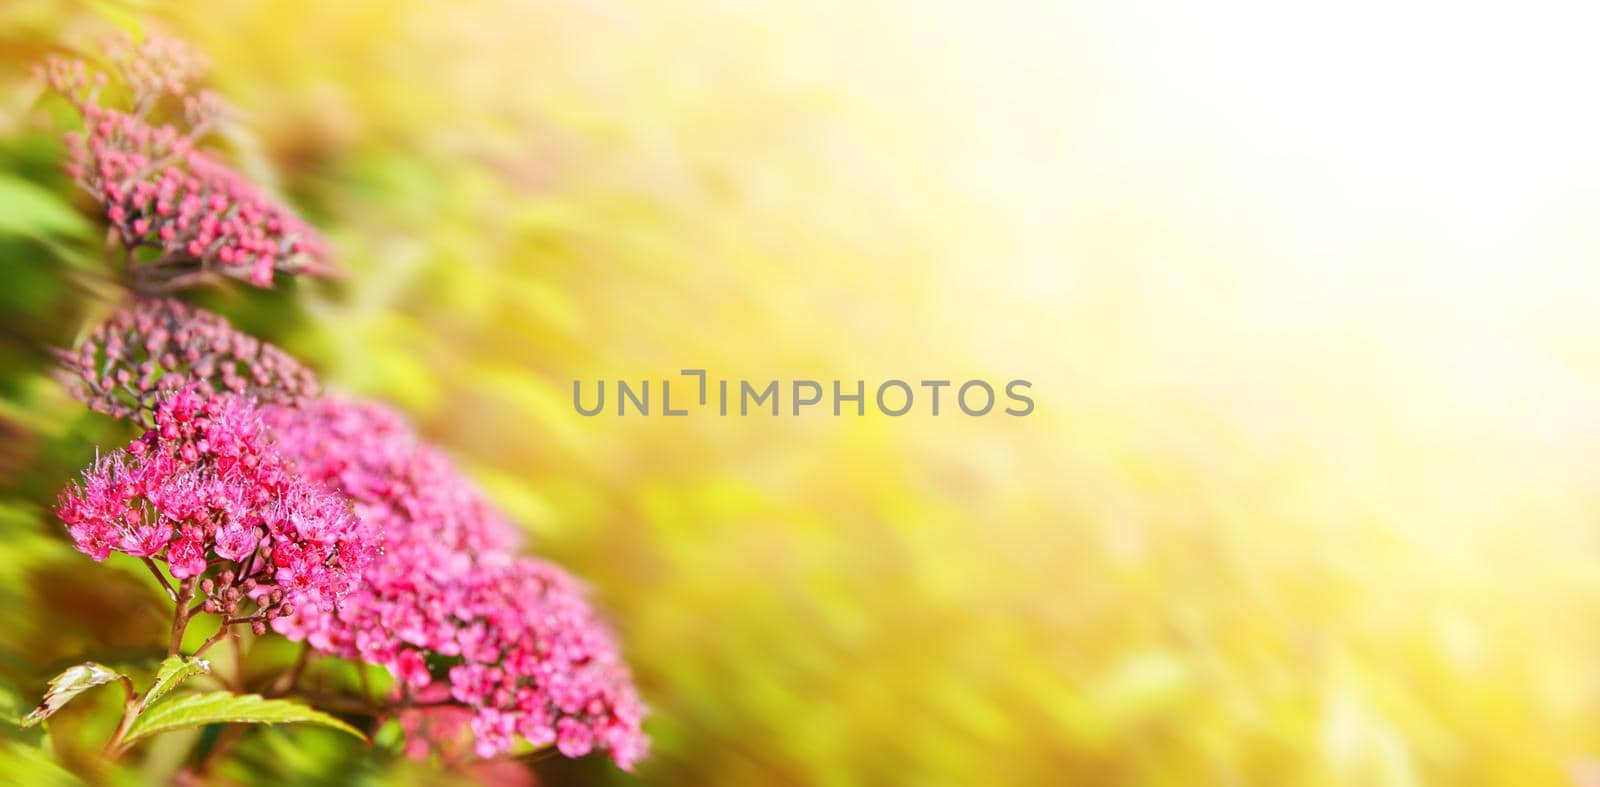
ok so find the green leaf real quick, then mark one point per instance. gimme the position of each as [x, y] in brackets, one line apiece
[221, 707]
[27, 209]
[35, 767]
[74, 681]
[10, 706]
[175, 670]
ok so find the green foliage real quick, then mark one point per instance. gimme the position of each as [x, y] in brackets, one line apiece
[30, 210]
[70, 683]
[31, 766]
[222, 707]
[173, 672]
[1229, 549]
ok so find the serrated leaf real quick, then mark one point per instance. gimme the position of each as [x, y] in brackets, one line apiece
[70, 683]
[221, 707]
[27, 209]
[175, 670]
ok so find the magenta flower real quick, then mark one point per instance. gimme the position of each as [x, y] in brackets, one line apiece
[432, 519]
[202, 489]
[145, 540]
[196, 215]
[158, 192]
[153, 346]
[187, 557]
[274, 507]
[155, 66]
[513, 640]
[549, 669]
[235, 541]
[433, 724]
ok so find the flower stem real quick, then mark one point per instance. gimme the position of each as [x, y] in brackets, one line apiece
[224, 630]
[180, 615]
[130, 711]
[172, 594]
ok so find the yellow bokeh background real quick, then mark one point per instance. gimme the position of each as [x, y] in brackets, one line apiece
[1307, 299]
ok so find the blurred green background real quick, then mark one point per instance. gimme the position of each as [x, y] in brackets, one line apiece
[1307, 300]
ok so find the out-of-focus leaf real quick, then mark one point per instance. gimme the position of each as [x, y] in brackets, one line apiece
[10, 706]
[389, 735]
[70, 683]
[26, 209]
[221, 707]
[34, 767]
[174, 670]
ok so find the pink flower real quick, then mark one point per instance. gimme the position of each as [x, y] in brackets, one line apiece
[203, 487]
[412, 669]
[235, 542]
[434, 727]
[153, 346]
[157, 65]
[286, 506]
[187, 557]
[533, 658]
[494, 731]
[301, 571]
[573, 738]
[94, 539]
[159, 192]
[146, 540]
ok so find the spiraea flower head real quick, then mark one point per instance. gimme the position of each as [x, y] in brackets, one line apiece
[183, 215]
[203, 491]
[536, 661]
[155, 346]
[446, 609]
[435, 523]
[325, 520]
[155, 66]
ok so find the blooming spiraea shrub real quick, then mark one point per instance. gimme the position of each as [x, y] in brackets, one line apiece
[513, 638]
[154, 346]
[202, 489]
[181, 215]
[266, 509]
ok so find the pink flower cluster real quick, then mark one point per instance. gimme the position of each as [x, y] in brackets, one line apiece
[202, 489]
[327, 521]
[434, 524]
[536, 661]
[154, 346]
[513, 639]
[155, 66]
[158, 192]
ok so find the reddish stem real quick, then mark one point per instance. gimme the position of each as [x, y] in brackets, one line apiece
[180, 615]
